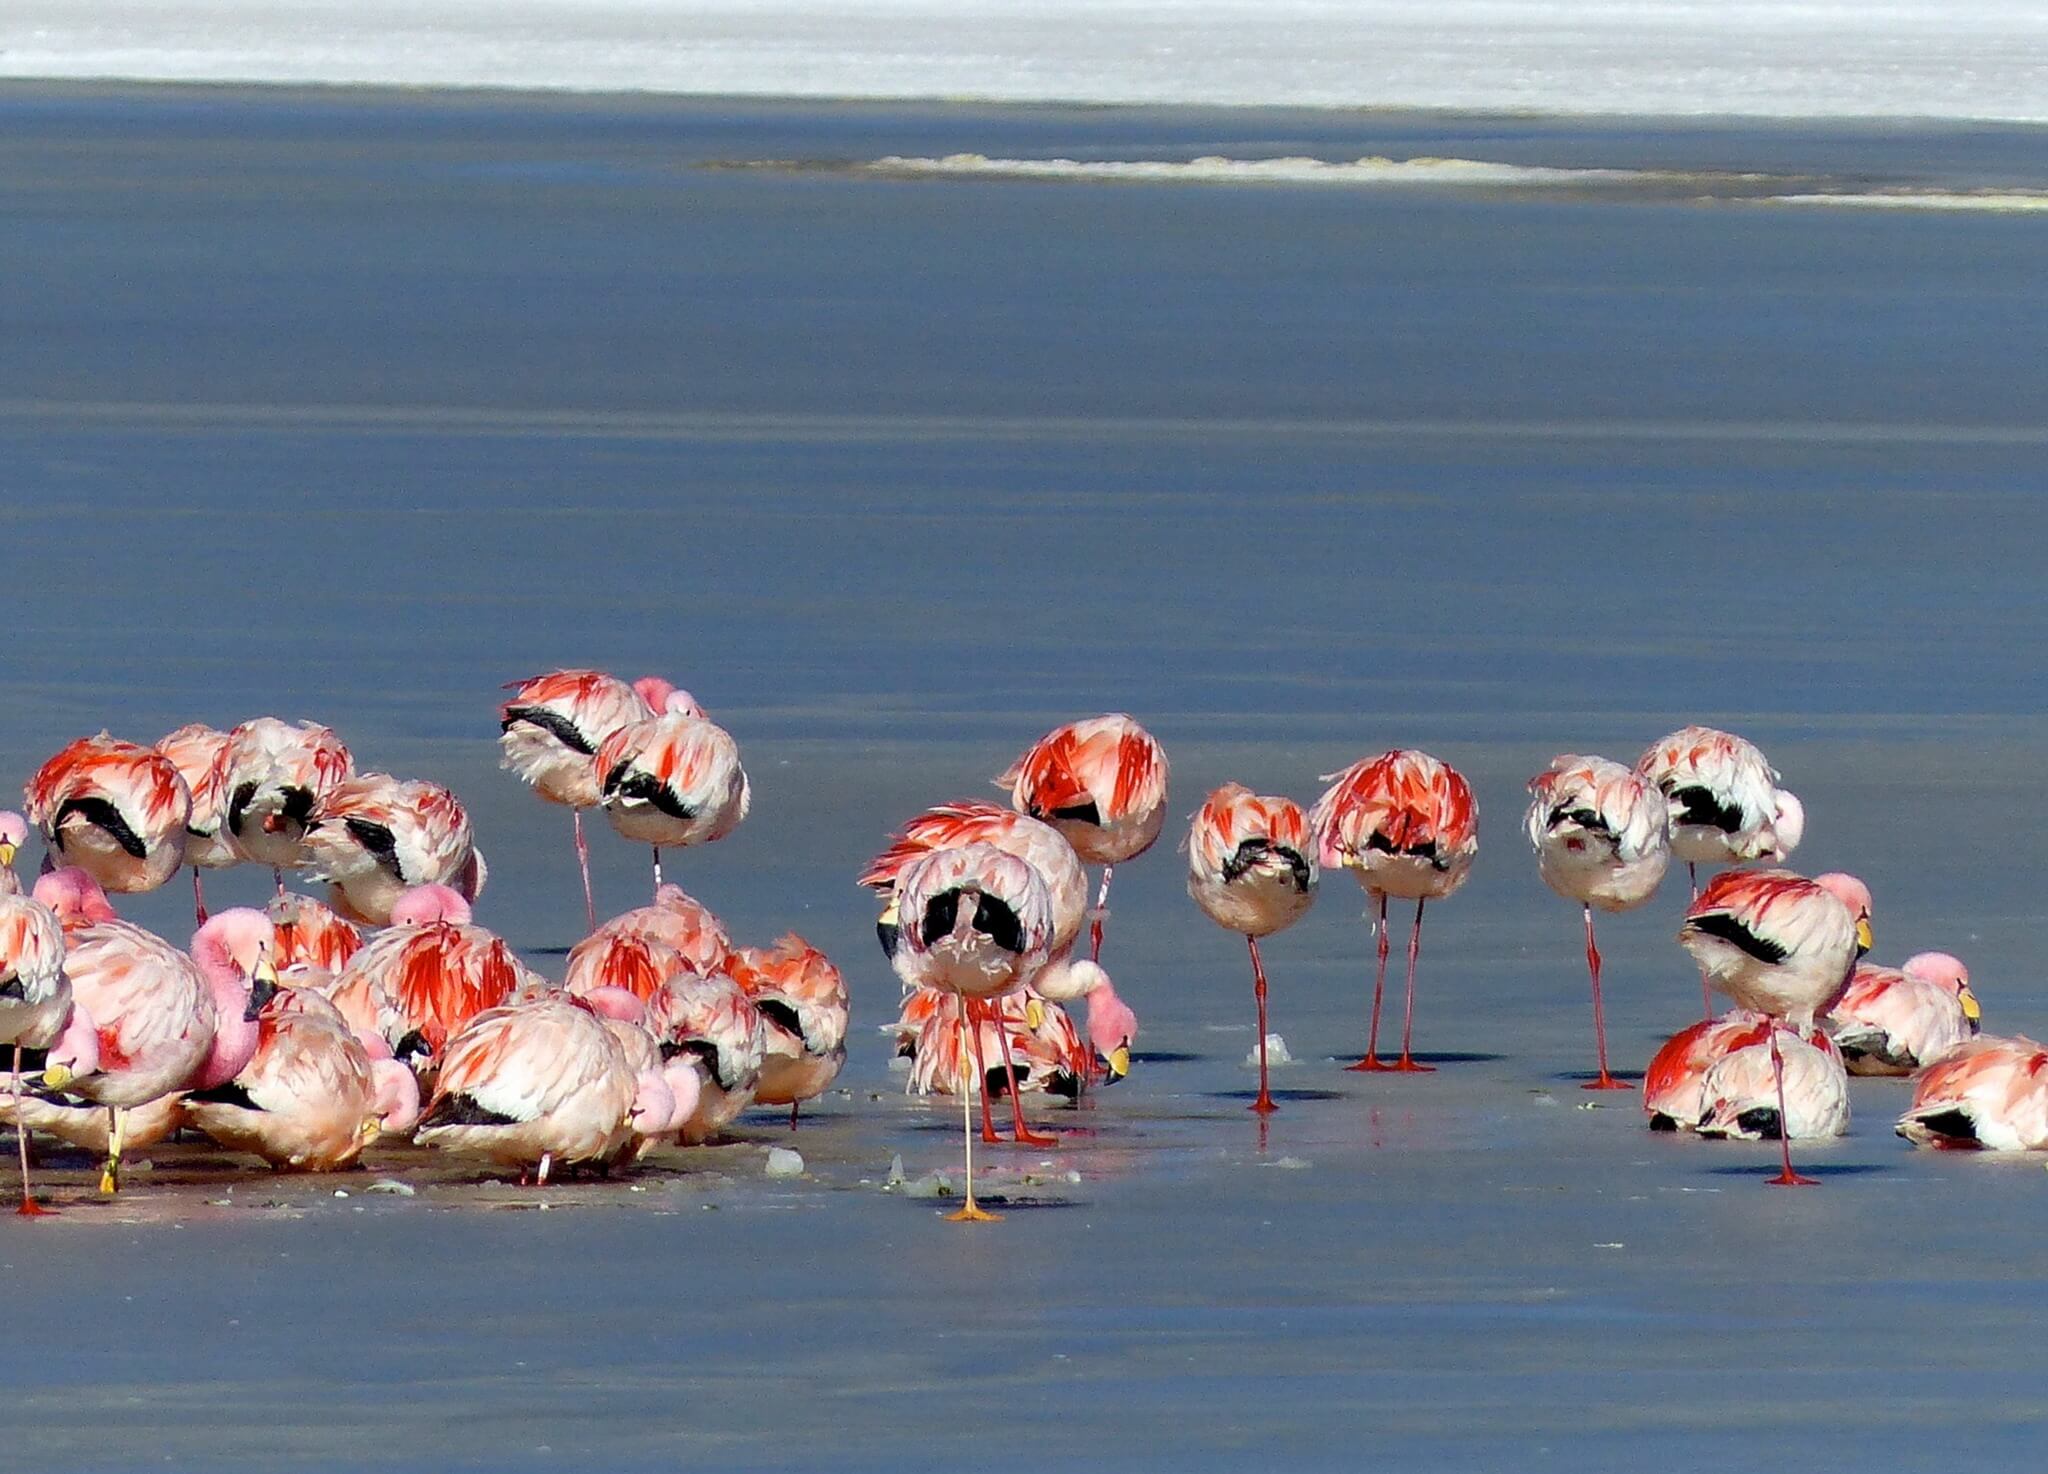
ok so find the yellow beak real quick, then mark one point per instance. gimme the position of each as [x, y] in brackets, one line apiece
[371, 1129]
[266, 970]
[6, 853]
[1971, 1010]
[888, 916]
[1864, 940]
[1034, 1014]
[56, 1077]
[1119, 1061]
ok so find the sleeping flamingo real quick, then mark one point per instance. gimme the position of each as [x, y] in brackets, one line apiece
[114, 809]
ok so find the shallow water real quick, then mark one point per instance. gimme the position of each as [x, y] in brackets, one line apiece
[353, 406]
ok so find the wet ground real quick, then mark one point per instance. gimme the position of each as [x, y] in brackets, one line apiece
[354, 406]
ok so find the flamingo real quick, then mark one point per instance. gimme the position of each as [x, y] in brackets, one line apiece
[160, 1021]
[1252, 870]
[802, 1002]
[35, 997]
[531, 1083]
[275, 776]
[1895, 1021]
[375, 837]
[980, 950]
[1038, 844]
[711, 1019]
[195, 751]
[1601, 839]
[417, 984]
[1049, 1052]
[640, 949]
[1407, 824]
[670, 1089]
[310, 1098]
[114, 809]
[1780, 945]
[1739, 1097]
[1989, 1092]
[1726, 806]
[551, 727]
[672, 780]
[1101, 783]
[310, 933]
[1675, 1082]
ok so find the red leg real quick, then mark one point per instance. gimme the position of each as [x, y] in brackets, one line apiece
[1371, 1061]
[198, 897]
[1101, 909]
[1023, 1135]
[1264, 1104]
[1605, 1081]
[1406, 1063]
[583, 864]
[972, 1023]
[1786, 1178]
[794, 1106]
[29, 1208]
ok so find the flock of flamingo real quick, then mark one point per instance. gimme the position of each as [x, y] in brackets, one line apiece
[292, 1033]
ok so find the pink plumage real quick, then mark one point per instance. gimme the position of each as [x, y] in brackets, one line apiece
[113, 808]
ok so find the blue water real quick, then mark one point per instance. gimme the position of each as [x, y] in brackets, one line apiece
[355, 405]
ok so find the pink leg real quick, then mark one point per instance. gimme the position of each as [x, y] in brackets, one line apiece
[1264, 1104]
[1022, 1134]
[29, 1208]
[1605, 1081]
[1095, 926]
[1371, 1061]
[583, 863]
[198, 897]
[1786, 1178]
[1406, 1063]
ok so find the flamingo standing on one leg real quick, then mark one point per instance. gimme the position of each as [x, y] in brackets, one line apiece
[1408, 825]
[1101, 783]
[551, 727]
[275, 775]
[672, 780]
[195, 750]
[1781, 945]
[116, 810]
[802, 1000]
[1602, 840]
[1726, 806]
[1252, 870]
[976, 923]
[35, 997]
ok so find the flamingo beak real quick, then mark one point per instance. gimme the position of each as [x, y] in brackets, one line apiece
[1119, 1061]
[6, 853]
[371, 1129]
[1971, 1008]
[1034, 1014]
[56, 1077]
[1864, 939]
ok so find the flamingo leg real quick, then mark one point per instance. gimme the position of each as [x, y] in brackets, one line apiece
[1692, 878]
[583, 863]
[1095, 922]
[657, 870]
[794, 1107]
[29, 1208]
[540, 1178]
[1605, 1081]
[1371, 1061]
[969, 1213]
[1023, 1135]
[988, 1125]
[1264, 1104]
[198, 897]
[1407, 1063]
[1786, 1178]
[277, 874]
[110, 1175]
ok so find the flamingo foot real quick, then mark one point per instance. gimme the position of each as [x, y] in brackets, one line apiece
[1369, 1065]
[1407, 1064]
[1606, 1082]
[1264, 1104]
[30, 1208]
[973, 1214]
[1024, 1136]
[1789, 1178]
[988, 1135]
[108, 1183]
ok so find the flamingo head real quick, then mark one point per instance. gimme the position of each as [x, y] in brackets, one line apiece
[664, 696]
[74, 895]
[1112, 1027]
[1854, 894]
[424, 905]
[13, 835]
[395, 1105]
[1947, 972]
[685, 1079]
[1788, 823]
[653, 1111]
[612, 1002]
[76, 1053]
[234, 951]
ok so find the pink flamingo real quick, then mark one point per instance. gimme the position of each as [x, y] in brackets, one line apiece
[640, 949]
[711, 1019]
[1252, 870]
[1780, 945]
[671, 781]
[532, 1083]
[1674, 1083]
[1407, 824]
[803, 1006]
[976, 923]
[275, 776]
[309, 933]
[35, 998]
[551, 727]
[1601, 840]
[1893, 1021]
[375, 837]
[1988, 1092]
[195, 751]
[1049, 1053]
[1101, 782]
[1739, 1099]
[115, 810]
